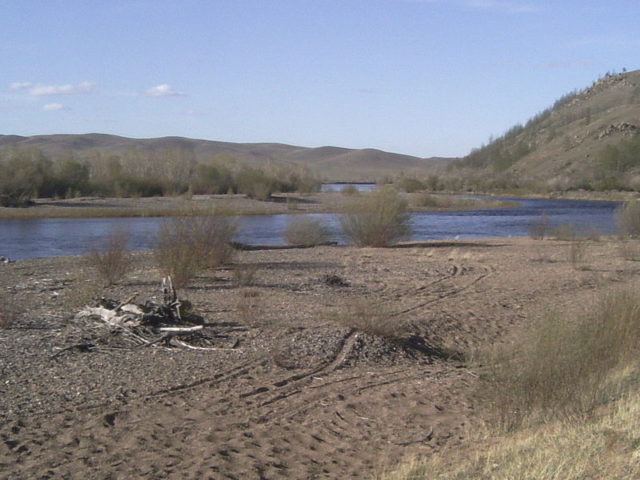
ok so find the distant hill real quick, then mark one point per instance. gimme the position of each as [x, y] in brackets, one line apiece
[331, 163]
[587, 139]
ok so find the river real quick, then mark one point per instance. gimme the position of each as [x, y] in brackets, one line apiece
[31, 238]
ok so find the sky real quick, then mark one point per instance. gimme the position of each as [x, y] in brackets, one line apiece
[419, 77]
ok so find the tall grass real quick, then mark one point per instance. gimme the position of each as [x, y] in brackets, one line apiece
[561, 402]
[376, 219]
[187, 245]
[564, 366]
[604, 446]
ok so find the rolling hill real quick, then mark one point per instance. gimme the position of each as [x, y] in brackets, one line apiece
[330, 163]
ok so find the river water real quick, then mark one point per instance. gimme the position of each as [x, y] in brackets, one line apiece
[31, 238]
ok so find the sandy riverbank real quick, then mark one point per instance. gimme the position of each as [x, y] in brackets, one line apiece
[293, 391]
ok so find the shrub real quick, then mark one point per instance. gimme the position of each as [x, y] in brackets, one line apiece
[628, 218]
[376, 219]
[577, 248]
[112, 259]
[8, 312]
[255, 184]
[564, 232]
[372, 318]
[244, 274]
[188, 245]
[410, 184]
[539, 227]
[630, 250]
[565, 366]
[349, 189]
[307, 231]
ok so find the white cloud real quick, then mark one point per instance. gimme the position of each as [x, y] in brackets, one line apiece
[53, 107]
[40, 89]
[20, 85]
[163, 90]
[502, 6]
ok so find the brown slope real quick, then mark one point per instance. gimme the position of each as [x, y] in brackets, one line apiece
[564, 142]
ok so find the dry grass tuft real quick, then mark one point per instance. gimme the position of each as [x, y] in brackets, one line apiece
[9, 312]
[244, 274]
[111, 258]
[628, 218]
[376, 219]
[604, 446]
[349, 189]
[539, 227]
[577, 250]
[564, 366]
[187, 245]
[561, 401]
[371, 317]
[307, 231]
[630, 250]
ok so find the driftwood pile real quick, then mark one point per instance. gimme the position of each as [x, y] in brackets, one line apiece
[167, 324]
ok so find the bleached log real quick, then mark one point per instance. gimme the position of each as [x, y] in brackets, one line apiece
[179, 330]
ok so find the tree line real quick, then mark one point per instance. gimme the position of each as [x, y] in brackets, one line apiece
[26, 174]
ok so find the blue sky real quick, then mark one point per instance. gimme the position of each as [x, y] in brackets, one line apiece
[421, 77]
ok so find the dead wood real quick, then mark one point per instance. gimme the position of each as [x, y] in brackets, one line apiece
[151, 324]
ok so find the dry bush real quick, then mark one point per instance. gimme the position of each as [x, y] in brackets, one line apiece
[577, 250]
[371, 317]
[628, 218]
[307, 231]
[564, 366]
[564, 231]
[376, 219]
[430, 200]
[8, 312]
[630, 250]
[187, 245]
[250, 307]
[244, 274]
[539, 227]
[111, 258]
[349, 189]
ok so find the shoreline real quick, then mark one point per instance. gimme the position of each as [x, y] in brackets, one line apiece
[240, 205]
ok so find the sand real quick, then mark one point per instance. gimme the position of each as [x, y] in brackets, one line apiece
[293, 390]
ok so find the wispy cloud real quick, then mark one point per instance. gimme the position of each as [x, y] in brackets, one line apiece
[40, 89]
[54, 107]
[163, 90]
[506, 6]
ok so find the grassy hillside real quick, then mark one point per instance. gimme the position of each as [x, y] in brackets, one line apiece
[587, 139]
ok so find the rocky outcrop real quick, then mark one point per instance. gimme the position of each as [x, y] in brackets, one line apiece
[622, 127]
